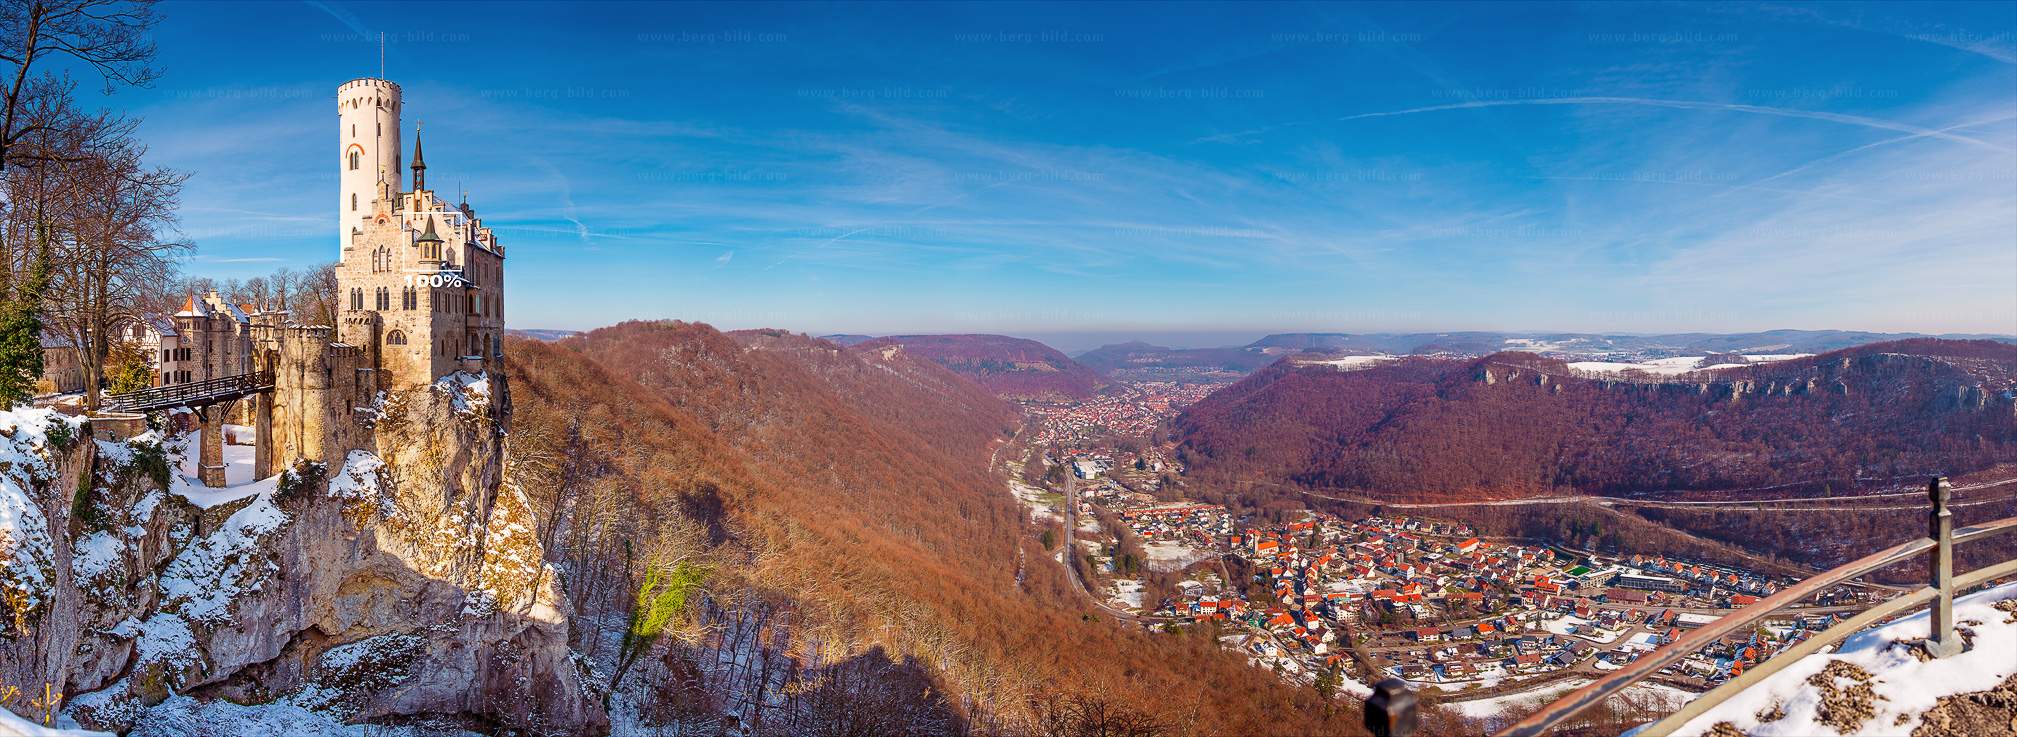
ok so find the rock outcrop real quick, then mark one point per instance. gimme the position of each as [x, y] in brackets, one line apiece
[403, 580]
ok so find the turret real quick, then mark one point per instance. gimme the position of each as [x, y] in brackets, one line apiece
[429, 242]
[419, 168]
[368, 148]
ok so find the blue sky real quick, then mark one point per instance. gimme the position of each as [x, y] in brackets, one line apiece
[1147, 169]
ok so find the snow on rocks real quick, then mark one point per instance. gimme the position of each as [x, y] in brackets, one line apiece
[29, 440]
[182, 716]
[1877, 683]
[363, 484]
[469, 392]
[1677, 365]
[217, 569]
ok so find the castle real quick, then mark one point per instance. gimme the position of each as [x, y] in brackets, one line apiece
[421, 283]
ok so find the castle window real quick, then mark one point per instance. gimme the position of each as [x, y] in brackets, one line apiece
[353, 202]
[356, 298]
[409, 299]
[395, 338]
[356, 160]
[383, 299]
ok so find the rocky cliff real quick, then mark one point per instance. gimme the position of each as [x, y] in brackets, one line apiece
[399, 583]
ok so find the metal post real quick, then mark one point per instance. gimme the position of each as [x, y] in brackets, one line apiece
[1390, 711]
[1942, 642]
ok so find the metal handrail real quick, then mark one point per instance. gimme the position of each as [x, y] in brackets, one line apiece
[195, 392]
[1941, 642]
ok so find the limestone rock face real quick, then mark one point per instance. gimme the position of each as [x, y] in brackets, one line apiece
[404, 578]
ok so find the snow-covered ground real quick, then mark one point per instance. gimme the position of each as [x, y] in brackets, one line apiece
[1349, 363]
[1527, 702]
[1677, 365]
[1567, 625]
[1128, 593]
[13, 724]
[1031, 497]
[238, 481]
[182, 716]
[1172, 556]
[1899, 686]
[1644, 641]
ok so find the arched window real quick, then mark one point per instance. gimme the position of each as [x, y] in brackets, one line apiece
[353, 199]
[408, 299]
[356, 160]
[384, 299]
[395, 338]
[356, 298]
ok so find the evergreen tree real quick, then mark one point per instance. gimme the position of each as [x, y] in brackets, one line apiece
[1327, 684]
[21, 329]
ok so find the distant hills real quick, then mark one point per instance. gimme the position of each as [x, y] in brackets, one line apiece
[1009, 367]
[1139, 361]
[542, 335]
[1021, 368]
[1511, 424]
[1650, 346]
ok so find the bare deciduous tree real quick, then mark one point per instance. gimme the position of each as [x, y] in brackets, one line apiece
[108, 36]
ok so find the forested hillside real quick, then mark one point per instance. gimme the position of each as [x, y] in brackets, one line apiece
[1010, 367]
[860, 566]
[1518, 424]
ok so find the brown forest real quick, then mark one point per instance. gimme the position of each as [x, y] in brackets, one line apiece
[1517, 424]
[870, 574]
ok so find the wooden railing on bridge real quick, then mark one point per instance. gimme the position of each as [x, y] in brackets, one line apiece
[192, 394]
[1388, 714]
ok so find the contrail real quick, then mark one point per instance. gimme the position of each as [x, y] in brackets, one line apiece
[1682, 104]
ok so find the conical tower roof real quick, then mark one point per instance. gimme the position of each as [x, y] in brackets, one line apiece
[428, 236]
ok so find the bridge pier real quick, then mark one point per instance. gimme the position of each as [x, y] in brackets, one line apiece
[211, 455]
[262, 434]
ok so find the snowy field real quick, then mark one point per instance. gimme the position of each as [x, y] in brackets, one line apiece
[1128, 593]
[1677, 365]
[1899, 686]
[1644, 641]
[1580, 627]
[1349, 363]
[1173, 556]
[1031, 497]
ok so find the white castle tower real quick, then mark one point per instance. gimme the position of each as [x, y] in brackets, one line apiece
[421, 278]
[369, 112]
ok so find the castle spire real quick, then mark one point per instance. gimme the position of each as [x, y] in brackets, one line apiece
[419, 167]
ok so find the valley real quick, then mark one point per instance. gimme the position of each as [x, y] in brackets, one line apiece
[1500, 591]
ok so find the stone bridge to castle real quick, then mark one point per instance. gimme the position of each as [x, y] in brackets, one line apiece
[309, 395]
[211, 401]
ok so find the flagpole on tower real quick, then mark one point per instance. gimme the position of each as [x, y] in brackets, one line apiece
[381, 54]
